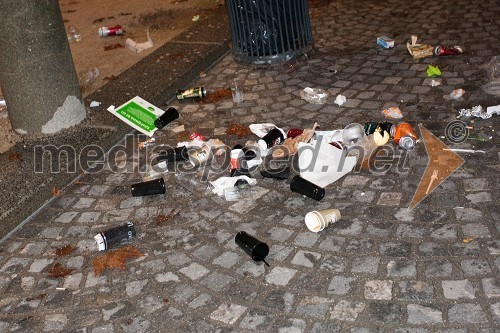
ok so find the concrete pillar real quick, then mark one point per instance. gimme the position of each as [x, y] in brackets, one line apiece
[37, 74]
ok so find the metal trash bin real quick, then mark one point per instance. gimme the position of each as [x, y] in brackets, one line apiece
[269, 31]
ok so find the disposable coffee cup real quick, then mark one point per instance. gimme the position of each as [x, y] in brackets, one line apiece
[272, 138]
[305, 187]
[168, 116]
[152, 187]
[318, 220]
[256, 249]
[115, 236]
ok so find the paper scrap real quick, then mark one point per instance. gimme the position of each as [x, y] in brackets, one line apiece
[393, 112]
[139, 47]
[340, 100]
[95, 104]
[323, 164]
[418, 51]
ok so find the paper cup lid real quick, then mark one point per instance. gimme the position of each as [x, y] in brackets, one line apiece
[312, 222]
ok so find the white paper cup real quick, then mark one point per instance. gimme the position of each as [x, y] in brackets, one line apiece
[319, 220]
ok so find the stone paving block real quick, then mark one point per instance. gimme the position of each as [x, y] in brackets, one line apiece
[476, 184]
[466, 313]
[55, 322]
[289, 325]
[83, 203]
[491, 287]
[306, 258]
[89, 217]
[178, 259]
[280, 275]
[342, 285]
[478, 197]
[313, 307]
[256, 320]
[395, 249]
[228, 313]
[444, 232]
[468, 214]
[423, 315]
[475, 267]
[349, 228]
[183, 293]
[414, 290]
[367, 265]
[227, 260]
[495, 312]
[194, 271]
[477, 230]
[166, 277]
[306, 239]
[201, 301]
[326, 328]
[279, 234]
[217, 281]
[66, 217]
[378, 290]
[14, 265]
[137, 325]
[39, 265]
[383, 313]
[347, 310]
[333, 264]
[279, 300]
[493, 247]
[461, 249]
[438, 268]
[279, 252]
[401, 268]
[251, 268]
[458, 289]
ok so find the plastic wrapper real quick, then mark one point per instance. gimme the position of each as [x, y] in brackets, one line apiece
[314, 95]
[476, 111]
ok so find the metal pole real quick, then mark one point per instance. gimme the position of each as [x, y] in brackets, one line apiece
[37, 74]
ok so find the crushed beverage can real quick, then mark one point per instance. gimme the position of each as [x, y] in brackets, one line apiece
[388, 127]
[110, 31]
[198, 92]
[405, 136]
[444, 51]
[115, 236]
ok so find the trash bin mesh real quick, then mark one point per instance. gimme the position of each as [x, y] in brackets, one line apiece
[269, 31]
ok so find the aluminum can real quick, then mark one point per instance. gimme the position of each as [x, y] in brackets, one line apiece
[110, 31]
[198, 92]
[405, 136]
[444, 51]
[115, 236]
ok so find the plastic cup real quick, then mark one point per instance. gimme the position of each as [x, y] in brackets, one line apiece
[273, 137]
[155, 186]
[168, 116]
[305, 187]
[235, 158]
[115, 236]
[318, 220]
[236, 91]
[256, 249]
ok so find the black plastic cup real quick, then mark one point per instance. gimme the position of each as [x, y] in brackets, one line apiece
[256, 249]
[305, 187]
[155, 186]
[115, 236]
[172, 155]
[272, 138]
[168, 116]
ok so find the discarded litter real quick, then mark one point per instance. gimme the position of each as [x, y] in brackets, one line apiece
[340, 100]
[222, 183]
[195, 18]
[314, 95]
[385, 42]
[305, 187]
[236, 91]
[115, 236]
[256, 249]
[171, 155]
[138, 113]
[110, 31]
[490, 110]
[275, 136]
[2, 102]
[292, 144]
[152, 187]
[393, 112]
[445, 51]
[240, 190]
[318, 220]
[457, 93]
[167, 117]
[95, 104]
[418, 51]
[198, 92]
[280, 173]
[433, 71]
[475, 111]
[139, 47]
[193, 182]
[405, 136]
[115, 259]
[73, 34]
[459, 150]
[199, 156]
[352, 133]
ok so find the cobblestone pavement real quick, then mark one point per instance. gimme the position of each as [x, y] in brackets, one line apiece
[382, 268]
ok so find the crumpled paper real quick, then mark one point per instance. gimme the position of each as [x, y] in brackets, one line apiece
[292, 143]
[418, 51]
[227, 182]
[340, 100]
[314, 95]
[393, 112]
[139, 47]
[261, 129]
